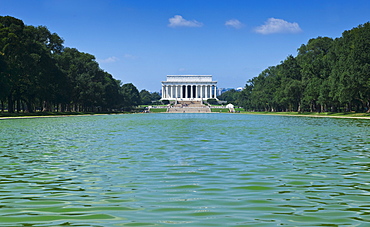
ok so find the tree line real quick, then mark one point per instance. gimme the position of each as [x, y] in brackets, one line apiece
[37, 73]
[327, 75]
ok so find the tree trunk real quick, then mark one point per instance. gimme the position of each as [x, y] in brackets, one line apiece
[29, 107]
[334, 109]
[18, 105]
[45, 106]
[10, 104]
[348, 109]
[23, 106]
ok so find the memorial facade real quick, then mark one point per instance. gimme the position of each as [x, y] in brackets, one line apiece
[189, 87]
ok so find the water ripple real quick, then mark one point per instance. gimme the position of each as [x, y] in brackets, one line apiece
[184, 170]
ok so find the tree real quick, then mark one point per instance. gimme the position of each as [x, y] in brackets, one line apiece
[264, 90]
[45, 81]
[351, 66]
[112, 97]
[131, 96]
[28, 54]
[91, 88]
[289, 94]
[37, 72]
[146, 97]
[13, 52]
[245, 96]
[4, 82]
[325, 75]
[315, 70]
[230, 96]
[155, 96]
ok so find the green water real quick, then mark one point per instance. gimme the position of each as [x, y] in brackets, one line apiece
[184, 170]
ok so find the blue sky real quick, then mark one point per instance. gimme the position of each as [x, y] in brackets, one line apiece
[142, 41]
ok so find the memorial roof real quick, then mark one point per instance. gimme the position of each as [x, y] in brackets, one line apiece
[189, 78]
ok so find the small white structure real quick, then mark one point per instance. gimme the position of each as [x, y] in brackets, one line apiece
[230, 107]
[189, 88]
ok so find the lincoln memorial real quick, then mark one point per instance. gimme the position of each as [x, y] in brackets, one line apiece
[189, 87]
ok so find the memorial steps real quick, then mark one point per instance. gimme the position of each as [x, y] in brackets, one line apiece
[189, 107]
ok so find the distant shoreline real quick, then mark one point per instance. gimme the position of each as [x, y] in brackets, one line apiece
[51, 115]
[308, 114]
[286, 114]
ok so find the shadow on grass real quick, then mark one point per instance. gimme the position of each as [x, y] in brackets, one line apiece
[54, 114]
[323, 114]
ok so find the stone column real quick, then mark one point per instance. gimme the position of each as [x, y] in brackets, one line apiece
[186, 91]
[215, 92]
[173, 91]
[196, 91]
[176, 91]
[191, 91]
[162, 91]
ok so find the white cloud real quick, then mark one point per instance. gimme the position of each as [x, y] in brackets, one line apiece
[234, 23]
[129, 56]
[273, 25]
[179, 21]
[109, 60]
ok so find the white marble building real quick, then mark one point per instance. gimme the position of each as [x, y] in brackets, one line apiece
[189, 87]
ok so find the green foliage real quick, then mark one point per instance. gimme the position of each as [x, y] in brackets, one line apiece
[231, 96]
[38, 73]
[146, 97]
[212, 101]
[326, 75]
[165, 102]
[155, 96]
[131, 96]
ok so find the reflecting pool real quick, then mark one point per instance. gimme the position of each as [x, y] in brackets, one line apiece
[184, 170]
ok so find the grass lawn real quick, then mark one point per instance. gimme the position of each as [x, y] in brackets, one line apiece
[315, 114]
[219, 110]
[158, 110]
[50, 114]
